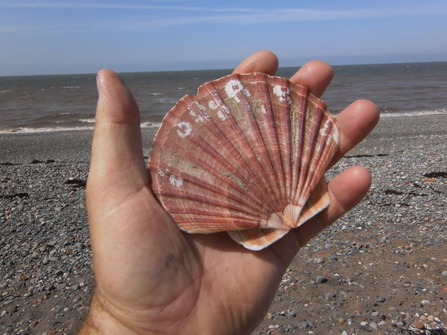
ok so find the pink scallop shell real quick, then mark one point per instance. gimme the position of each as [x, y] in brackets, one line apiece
[246, 155]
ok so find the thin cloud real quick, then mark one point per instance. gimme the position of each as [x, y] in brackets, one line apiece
[283, 15]
[240, 16]
[76, 5]
[250, 14]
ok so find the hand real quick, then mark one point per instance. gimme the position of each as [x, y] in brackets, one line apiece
[152, 278]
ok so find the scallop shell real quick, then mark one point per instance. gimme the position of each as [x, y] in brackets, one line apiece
[246, 155]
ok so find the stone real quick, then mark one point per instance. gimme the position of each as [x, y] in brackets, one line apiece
[321, 279]
[381, 299]
[419, 325]
[292, 312]
[331, 295]
[303, 325]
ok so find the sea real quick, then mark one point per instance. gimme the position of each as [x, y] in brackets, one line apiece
[65, 102]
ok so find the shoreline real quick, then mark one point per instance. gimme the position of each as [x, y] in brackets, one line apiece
[74, 143]
[21, 147]
[150, 124]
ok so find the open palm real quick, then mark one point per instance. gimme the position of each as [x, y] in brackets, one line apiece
[152, 278]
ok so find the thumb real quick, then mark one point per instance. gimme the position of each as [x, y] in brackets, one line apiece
[117, 168]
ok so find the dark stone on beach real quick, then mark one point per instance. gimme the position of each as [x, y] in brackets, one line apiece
[321, 279]
[292, 312]
[381, 299]
[331, 295]
[303, 325]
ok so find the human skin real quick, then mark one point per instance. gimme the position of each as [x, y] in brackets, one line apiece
[152, 278]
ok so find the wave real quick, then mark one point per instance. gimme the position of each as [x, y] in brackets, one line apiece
[150, 124]
[22, 130]
[418, 113]
[88, 120]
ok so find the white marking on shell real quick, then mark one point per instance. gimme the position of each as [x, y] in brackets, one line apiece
[325, 131]
[282, 95]
[223, 110]
[222, 116]
[232, 88]
[177, 182]
[325, 128]
[213, 104]
[161, 173]
[184, 129]
[263, 109]
[198, 118]
[201, 115]
[336, 135]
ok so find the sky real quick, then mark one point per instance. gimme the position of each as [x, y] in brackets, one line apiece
[64, 37]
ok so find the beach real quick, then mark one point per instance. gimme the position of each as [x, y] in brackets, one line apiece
[382, 268]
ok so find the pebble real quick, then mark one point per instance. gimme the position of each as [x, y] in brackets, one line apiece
[381, 299]
[303, 325]
[32, 246]
[331, 295]
[373, 325]
[292, 312]
[419, 325]
[321, 279]
[402, 211]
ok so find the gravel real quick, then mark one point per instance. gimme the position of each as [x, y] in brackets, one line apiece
[385, 262]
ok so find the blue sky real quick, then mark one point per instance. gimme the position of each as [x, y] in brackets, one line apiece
[54, 37]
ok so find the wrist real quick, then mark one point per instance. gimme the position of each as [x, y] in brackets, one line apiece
[101, 321]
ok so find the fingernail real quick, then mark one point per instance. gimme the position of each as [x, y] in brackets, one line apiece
[99, 84]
